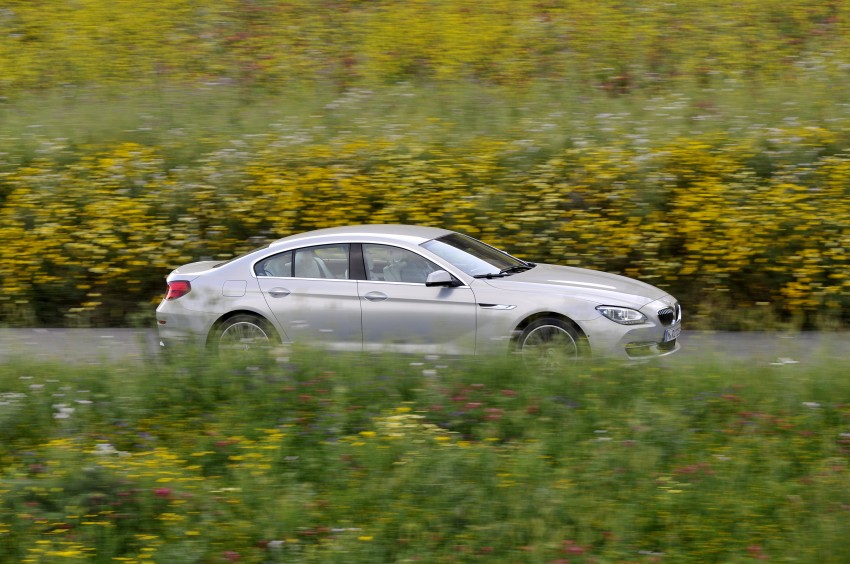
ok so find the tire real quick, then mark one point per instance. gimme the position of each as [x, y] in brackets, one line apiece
[243, 332]
[551, 343]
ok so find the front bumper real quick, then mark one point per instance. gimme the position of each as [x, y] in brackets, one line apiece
[649, 350]
[651, 339]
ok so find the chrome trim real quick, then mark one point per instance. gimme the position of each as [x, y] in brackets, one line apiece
[674, 311]
[497, 307]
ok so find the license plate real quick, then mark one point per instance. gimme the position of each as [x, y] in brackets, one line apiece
[672, 333]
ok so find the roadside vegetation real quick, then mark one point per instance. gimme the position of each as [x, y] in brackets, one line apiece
[702, 149]
[300, 457]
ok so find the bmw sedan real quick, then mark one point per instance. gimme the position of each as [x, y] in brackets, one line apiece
[413, 289]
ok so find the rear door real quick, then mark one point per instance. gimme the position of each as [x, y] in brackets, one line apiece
[311, 296]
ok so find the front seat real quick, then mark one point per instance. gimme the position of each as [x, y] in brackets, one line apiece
[392, 271]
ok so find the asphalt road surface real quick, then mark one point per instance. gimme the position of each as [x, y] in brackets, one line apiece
[78, 345]
[138, 345]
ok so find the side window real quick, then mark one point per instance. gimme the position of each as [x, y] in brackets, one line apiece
[393, 264]
[325, 261]
[275, 265]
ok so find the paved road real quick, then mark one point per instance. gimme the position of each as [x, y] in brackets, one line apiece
[78, 345]
[764, 347]
[97, 345]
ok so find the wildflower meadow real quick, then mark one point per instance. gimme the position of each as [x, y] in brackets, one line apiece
[299, 457]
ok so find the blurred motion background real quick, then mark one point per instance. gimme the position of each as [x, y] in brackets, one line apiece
[701, 147]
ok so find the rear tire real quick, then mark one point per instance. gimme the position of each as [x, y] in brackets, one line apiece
[551, 343]
[242, 333]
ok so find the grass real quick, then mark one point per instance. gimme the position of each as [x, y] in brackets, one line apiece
[308, 458]
[544, 116]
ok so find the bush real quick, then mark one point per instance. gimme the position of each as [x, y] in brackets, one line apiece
[271, 44]
[89, 238]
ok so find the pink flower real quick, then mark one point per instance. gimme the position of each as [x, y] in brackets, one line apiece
[162, 492]
[494, 413]
[756, 552]
[570, 547]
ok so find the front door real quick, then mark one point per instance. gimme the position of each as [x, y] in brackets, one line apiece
[401, 313]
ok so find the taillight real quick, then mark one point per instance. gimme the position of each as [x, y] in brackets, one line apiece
[177, 289]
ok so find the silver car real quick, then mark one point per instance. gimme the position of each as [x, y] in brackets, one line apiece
[414, 289]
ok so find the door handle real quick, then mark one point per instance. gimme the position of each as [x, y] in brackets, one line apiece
[279, 292]
[376, 296]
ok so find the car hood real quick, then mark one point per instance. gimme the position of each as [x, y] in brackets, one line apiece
[591, 285]
[194, 268]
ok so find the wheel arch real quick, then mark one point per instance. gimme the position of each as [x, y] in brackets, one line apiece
[518, 330]
[231, 314]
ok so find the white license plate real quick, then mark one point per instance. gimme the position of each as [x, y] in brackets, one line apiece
[672, 333]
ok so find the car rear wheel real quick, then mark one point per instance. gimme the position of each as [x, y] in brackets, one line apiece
[551, 343]
[244, 333]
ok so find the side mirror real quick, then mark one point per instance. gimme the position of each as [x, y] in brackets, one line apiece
[440, 278]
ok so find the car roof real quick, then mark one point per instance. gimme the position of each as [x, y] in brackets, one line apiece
[414, 234]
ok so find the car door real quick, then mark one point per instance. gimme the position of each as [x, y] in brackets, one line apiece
[311, 296]
[401, 313]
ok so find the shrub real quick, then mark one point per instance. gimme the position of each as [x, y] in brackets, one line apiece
[90, 239]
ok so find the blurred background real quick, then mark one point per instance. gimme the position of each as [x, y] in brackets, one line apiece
[701, 147]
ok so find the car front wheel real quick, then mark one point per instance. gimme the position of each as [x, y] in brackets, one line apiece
[244, 333]
[550, 343]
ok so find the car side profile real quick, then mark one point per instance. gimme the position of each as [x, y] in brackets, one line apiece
[413, 289]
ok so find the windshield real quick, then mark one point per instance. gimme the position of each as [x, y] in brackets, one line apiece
[472, 256]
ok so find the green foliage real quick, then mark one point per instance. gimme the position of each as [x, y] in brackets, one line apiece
[317, 458]
[612, 45]
[87, 235]
[692, 145]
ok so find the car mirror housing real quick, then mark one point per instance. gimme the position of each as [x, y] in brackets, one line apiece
[440, 278]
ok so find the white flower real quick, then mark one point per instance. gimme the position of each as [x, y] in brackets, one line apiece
[783, 361]
[104, 449]
[62, 411]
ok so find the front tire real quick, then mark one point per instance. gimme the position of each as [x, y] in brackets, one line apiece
[551, 343]
[242, 333]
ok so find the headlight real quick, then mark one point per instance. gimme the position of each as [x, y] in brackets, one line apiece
[622, 315]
